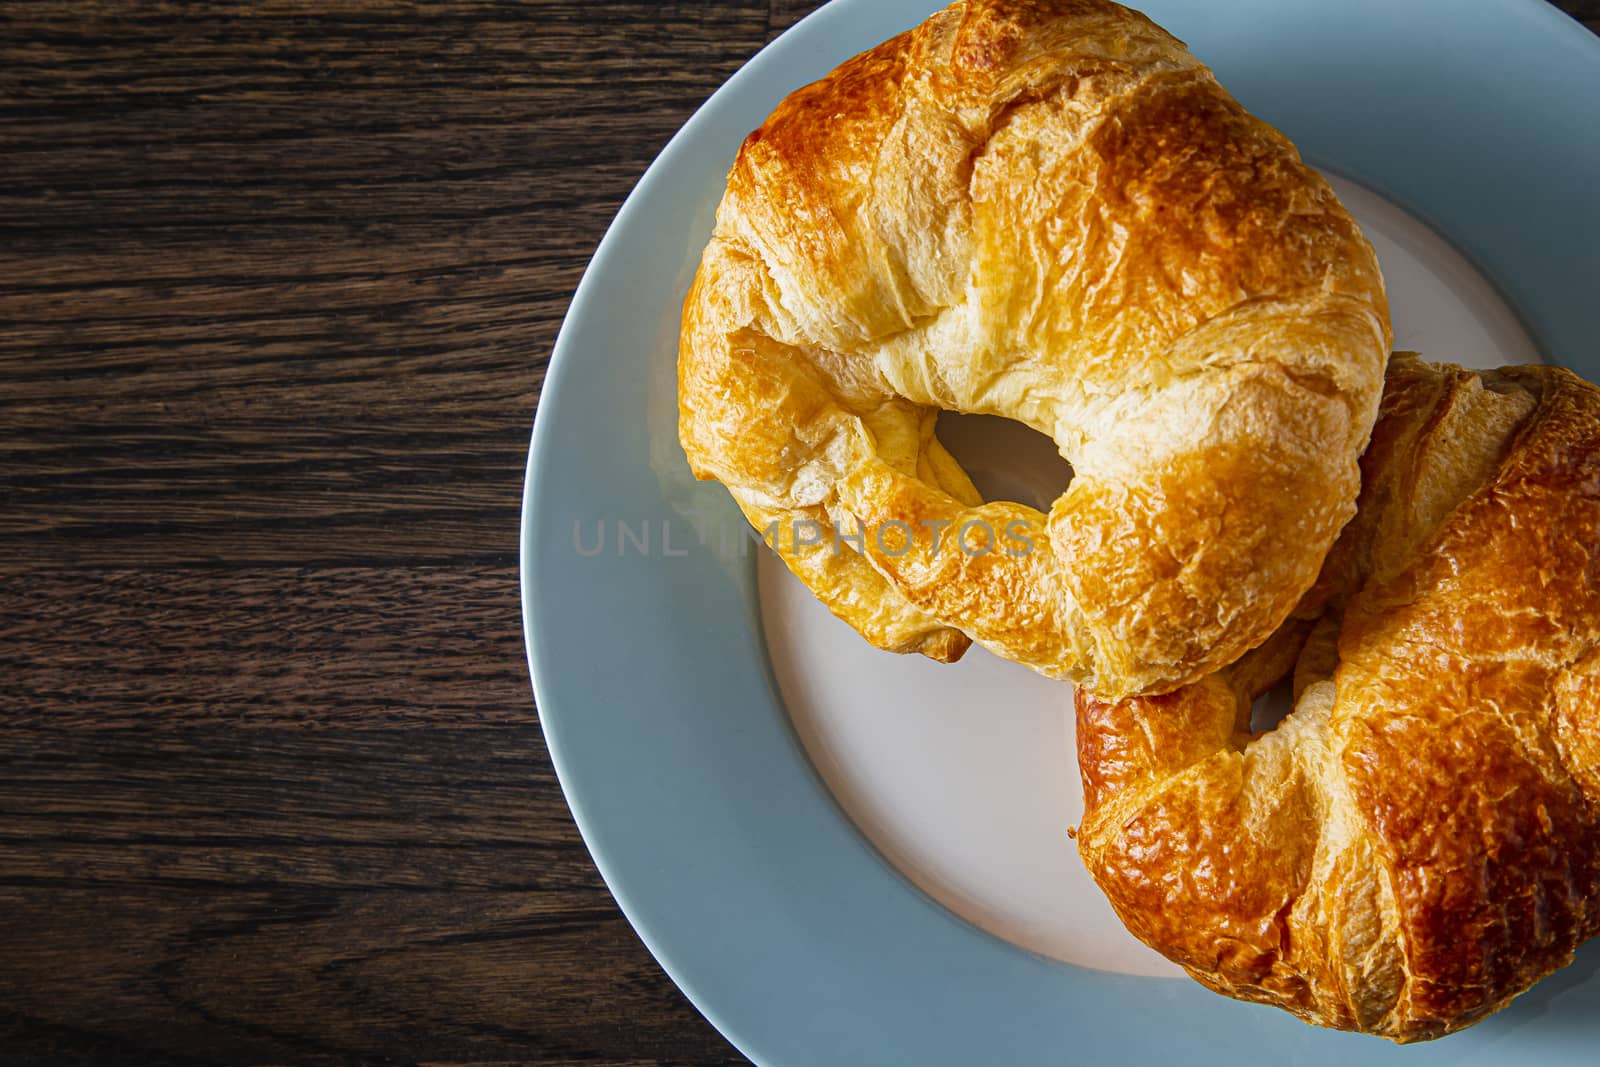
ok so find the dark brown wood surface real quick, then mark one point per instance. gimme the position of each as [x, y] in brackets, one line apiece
[277, 286]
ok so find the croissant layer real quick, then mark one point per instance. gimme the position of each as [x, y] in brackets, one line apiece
[1417, 843]
[1048, 211]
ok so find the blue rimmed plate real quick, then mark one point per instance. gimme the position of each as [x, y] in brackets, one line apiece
[723, 845]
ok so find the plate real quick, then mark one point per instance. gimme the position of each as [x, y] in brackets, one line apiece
[809, 937]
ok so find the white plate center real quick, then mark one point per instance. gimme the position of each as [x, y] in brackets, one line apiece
[965, 776]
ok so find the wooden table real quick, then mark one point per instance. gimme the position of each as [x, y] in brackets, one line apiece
[277, 287]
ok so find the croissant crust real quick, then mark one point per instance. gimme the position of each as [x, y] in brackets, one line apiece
[1051, 212]
[1417, 842]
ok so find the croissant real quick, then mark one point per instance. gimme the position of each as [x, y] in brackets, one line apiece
[1417, 843]
[1051, 212]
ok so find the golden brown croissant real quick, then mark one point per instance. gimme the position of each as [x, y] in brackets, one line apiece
[1053, 213]
[1417, 843]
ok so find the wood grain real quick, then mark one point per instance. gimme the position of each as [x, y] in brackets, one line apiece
[278, 282]
[277, 286]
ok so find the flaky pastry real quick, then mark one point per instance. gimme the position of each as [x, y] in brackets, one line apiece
[1417, 843]
[1053, 213]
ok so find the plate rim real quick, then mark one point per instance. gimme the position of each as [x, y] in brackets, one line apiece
[561, 366]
